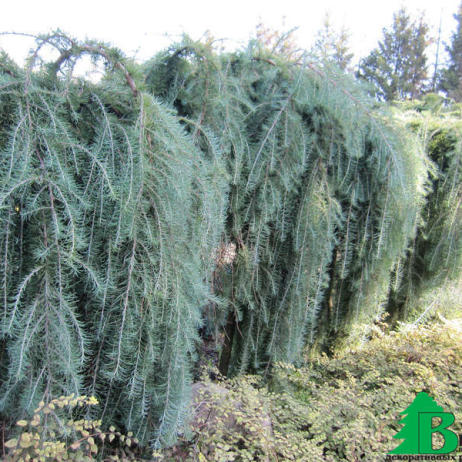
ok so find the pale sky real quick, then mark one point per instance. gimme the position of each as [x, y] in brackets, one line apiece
[143, 27]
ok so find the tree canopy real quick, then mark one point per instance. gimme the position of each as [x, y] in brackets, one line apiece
[324, 194]
[106, 236]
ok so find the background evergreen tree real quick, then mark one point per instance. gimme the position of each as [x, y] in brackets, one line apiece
[398, 66]
[332, 45]
[451, 80]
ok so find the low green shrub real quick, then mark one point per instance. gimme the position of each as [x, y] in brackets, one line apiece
[353, 400]
[241, 420]
[341, 408]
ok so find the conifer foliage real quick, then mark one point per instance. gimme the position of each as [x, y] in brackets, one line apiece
[108, 219]
[398, 66]
[323, 198]
[254, 196]
[435, 255]
[451, 78]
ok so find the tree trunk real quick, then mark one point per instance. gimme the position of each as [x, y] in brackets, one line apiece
[225, 356]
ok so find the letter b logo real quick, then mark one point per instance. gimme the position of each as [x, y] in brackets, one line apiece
[426, 431]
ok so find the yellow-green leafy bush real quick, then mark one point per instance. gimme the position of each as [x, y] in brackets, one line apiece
[353, 400]
[52, 435]
[239, 420]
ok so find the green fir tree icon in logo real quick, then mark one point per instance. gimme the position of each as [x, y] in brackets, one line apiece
[418, 428]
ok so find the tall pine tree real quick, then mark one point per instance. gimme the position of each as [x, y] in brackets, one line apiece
[332, 45]
[398, 66]
[451, 80]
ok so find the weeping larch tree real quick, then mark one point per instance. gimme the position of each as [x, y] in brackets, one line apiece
[434, 258]
[241, 196]
[324, 195]
[109, 216]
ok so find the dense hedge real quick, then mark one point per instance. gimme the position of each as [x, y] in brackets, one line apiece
[109, 217]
